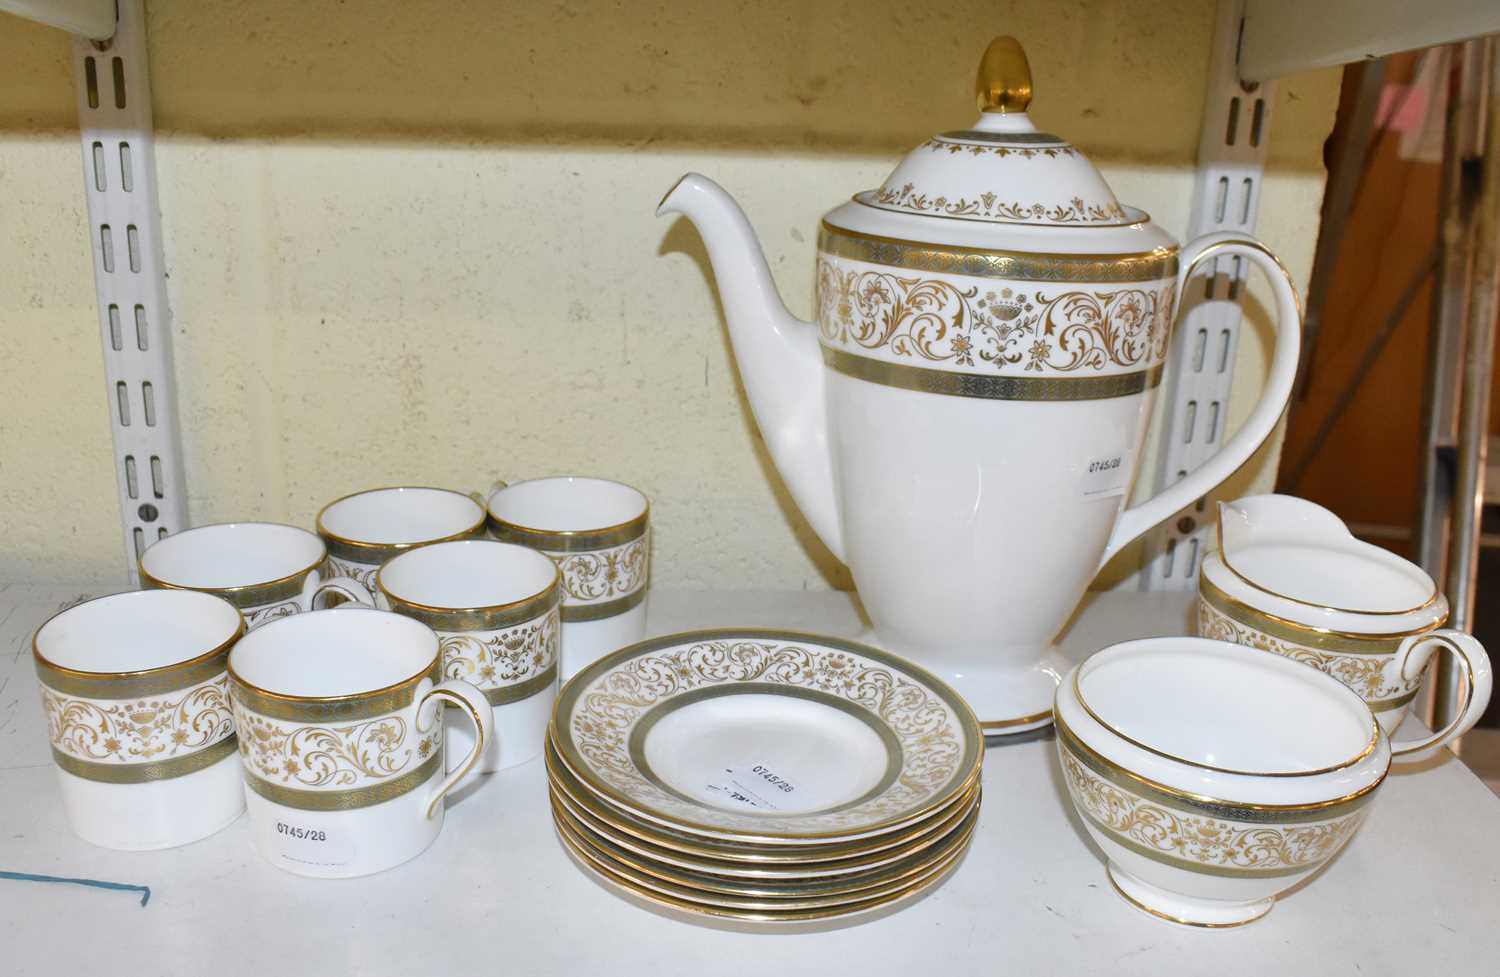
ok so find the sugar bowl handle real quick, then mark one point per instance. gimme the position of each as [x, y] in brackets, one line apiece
[1262, 420]
[1472, 660]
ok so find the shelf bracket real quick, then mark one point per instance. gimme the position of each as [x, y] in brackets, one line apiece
[1200, 369]
[135, 322]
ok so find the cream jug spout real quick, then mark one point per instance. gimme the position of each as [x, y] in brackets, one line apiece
[777, 353]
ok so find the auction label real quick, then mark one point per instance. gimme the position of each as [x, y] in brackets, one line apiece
[1105, 475]
[307, 845]
[754, 785]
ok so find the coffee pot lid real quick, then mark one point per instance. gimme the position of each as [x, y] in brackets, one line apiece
[1002, 170]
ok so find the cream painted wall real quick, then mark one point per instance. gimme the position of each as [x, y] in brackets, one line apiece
[413, 242]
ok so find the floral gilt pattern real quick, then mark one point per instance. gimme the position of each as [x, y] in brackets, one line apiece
[1365, 674]
[929, 733]
[602, 575]
[1001, 150]
[266, 613]
[355, 754]
[140, 731]
[992, 206]
[494, 659]
[1191, 840]
[363, 573]
[933, 321]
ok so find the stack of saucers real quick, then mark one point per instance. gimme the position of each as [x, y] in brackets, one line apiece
[763, 775]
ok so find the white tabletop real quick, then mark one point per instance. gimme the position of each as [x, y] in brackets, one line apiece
[1417, 892]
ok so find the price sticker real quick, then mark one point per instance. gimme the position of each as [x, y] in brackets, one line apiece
[753, 785]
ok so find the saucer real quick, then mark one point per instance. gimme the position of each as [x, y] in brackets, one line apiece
[696, 851]
[766, 738]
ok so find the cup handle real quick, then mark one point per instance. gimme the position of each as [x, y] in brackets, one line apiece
[318, 588]
[1263, 418]
[1408, 663]
[457, 692]
[483, 498]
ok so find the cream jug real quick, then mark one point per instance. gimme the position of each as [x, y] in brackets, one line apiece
[963, 423]
[1288, 577]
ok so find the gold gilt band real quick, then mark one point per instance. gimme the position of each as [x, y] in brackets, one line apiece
[479, 618]
[574, 613]
[247, 597]
[1220, 809]
[144, 773]
[570, 542]
[1346, 642]
[135, 685]
[1031, 388]
[505, 694]
[347, 800]
[374, 554]
[310, 709]
[1147, 266]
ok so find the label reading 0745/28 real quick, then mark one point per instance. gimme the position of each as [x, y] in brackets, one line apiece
[304, 834]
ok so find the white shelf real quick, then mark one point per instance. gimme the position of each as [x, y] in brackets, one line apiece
[1415, 892]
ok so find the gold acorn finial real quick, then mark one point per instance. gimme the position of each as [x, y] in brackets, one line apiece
[1004, 80]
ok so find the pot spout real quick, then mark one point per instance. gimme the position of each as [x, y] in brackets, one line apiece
[777, 353]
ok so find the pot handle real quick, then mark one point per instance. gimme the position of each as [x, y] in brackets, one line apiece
[1472, 660]
[1262, 420]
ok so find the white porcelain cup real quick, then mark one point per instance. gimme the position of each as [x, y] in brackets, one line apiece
[1214, 777]
[364, 530]
[137, 705]
[598, 532]
[1290, 578]
[494, 607]
[340, 720]
[265, 569]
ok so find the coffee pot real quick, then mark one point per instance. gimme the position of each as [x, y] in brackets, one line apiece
[963, 423]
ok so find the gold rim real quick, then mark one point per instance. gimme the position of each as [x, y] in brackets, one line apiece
[284, 705]
[142, 681]
[241, 595]
[1369, 747]
[1216, 806]
[571, 540]
[1175, 919]
[781, 871]
[758, 862]
[488, 617]
[768, 916]
[809, 887]
[1432, 598]
[997, 724]
[967, 769]
[1138, 266]
[1328, 639]
[362, 551]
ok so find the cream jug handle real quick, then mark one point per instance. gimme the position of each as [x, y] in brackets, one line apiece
[1473, 662]
[1262, 420]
